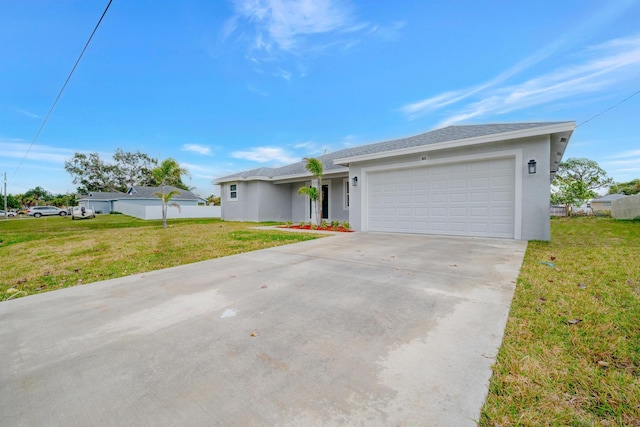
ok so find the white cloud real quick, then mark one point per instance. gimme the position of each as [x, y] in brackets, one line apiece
[16, 149]
[386, 32]
[626, 154]
[265, 155]
[284, 74]
[282, 23]
[300, 27]
[197, 148]
[606, 64]
[26, 113]
[305, 145]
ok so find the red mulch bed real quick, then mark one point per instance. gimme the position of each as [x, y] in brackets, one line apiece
[308, 227]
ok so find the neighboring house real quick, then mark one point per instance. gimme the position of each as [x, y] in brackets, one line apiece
[489, 180]
[99, 201]
[105, 202]
[604, 203]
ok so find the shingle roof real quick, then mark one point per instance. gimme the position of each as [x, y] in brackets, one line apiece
[609, 198]
[103, 195]
[449, 133]
[140, 193]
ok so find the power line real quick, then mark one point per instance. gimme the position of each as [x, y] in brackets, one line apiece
[46, 118]
[610, 108]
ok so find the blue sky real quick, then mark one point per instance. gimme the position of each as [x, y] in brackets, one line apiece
[224, 86]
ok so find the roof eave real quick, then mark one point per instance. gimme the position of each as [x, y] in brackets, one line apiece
[279, 179]
[495, 137]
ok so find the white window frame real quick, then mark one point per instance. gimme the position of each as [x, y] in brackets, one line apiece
[346, 194]
[232, 194]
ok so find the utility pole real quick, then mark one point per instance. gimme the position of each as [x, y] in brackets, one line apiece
[5, 196]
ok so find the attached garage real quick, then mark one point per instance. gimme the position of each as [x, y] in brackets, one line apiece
[478, 180]
[474, 198]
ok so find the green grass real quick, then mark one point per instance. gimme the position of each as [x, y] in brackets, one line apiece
[571, 351]
[48, 253]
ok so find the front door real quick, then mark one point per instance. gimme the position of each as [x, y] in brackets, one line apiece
[325, 203]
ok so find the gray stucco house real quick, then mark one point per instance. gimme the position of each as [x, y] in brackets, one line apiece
[490, 180]
[105, 202]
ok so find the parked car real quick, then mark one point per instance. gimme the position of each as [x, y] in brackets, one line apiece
[9, 213]
[38, 211]
[80, 212]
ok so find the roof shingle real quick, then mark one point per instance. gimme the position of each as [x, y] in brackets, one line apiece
[446, 134]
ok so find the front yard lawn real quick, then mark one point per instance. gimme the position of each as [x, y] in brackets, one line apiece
[571, 350]
[48, 253]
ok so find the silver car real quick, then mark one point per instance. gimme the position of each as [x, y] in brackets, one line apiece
[9, 213]
[38, 211]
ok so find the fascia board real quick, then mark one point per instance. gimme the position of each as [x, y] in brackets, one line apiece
[496, 137]
[307, 176]
[280, 179]
[241, 178]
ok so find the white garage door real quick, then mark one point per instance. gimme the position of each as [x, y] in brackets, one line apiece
[469, 199]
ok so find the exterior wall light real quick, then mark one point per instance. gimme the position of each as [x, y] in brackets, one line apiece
[354, 181]
[532, 166]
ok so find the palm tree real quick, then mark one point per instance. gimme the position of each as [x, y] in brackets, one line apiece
[313, 194]
[168, 172]
[314, 166]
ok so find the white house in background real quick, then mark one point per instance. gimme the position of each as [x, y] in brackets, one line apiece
[136, 197]
[490, 180]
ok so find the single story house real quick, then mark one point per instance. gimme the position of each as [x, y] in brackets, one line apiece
[490, 180]
[604, 203]
[105, 202]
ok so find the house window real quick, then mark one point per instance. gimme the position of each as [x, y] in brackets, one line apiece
[345, 185]
[233, 191]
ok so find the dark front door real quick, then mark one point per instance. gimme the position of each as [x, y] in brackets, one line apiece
[325, 203]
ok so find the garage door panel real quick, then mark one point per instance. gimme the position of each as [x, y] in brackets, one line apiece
[481, 182]
[472, 198]
[439, 198]
[501, 196]
[480, 197]
[457, 183]
[438, 185]
[458, 197]
[501, 180]
[478, 227]
[458, 212]
[479, 211]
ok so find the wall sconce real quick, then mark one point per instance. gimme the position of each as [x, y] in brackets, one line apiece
[532, 166]
[354, 181]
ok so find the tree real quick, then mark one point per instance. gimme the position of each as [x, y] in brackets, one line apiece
[13, 202]
[576, 181]
[314, 166]
[213, 200]
[134, 168]
[64, 200]
[165, 176]
[126, 169]
[313, 194]
[628, 188]
[91, 173]
[36, 196]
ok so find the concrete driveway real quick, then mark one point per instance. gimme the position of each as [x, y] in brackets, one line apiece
[353, 329]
